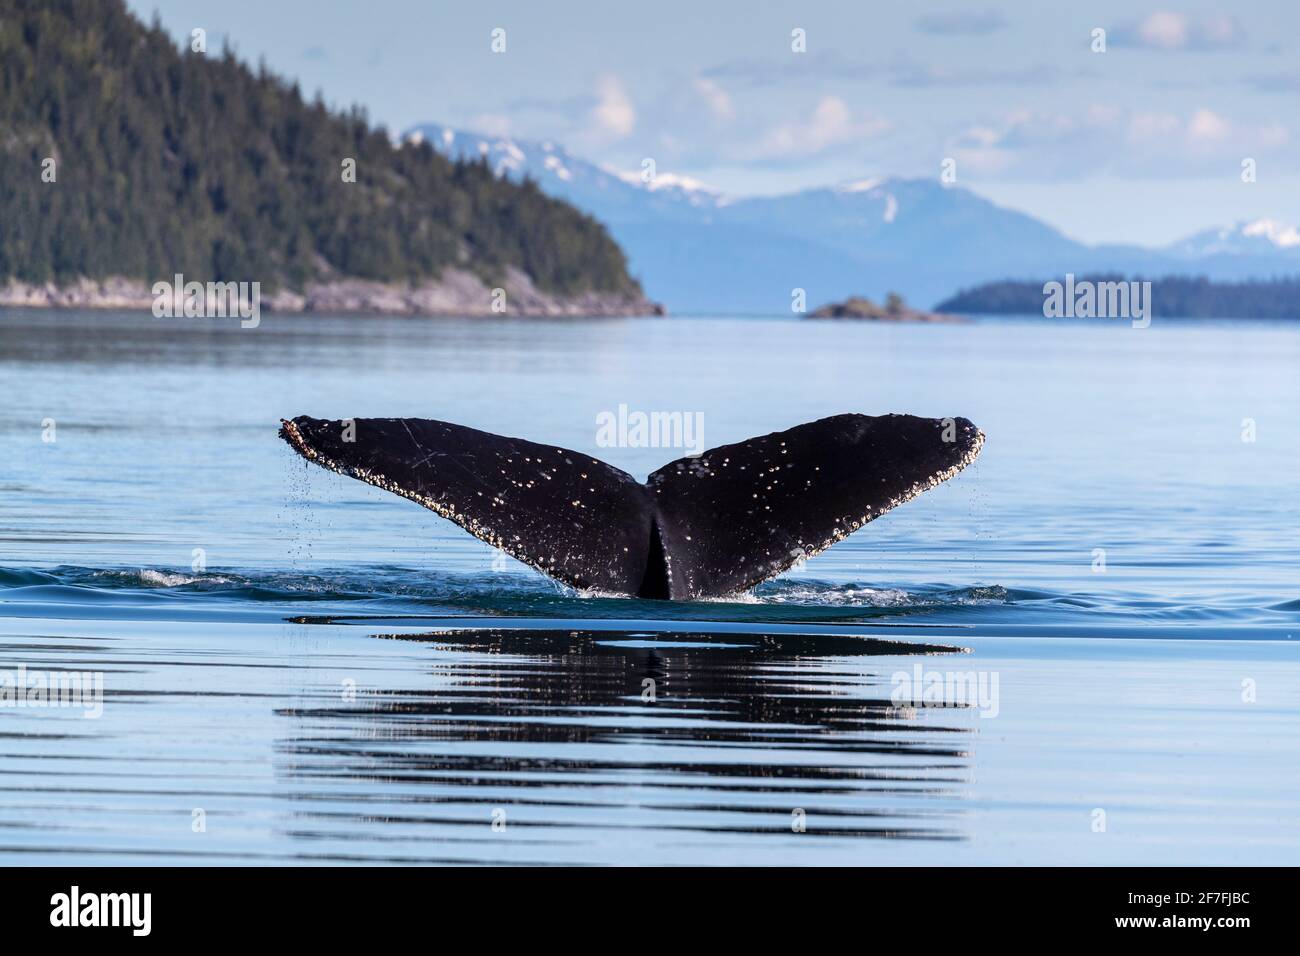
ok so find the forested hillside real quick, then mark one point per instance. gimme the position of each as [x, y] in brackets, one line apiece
[167, 160]
[1171, 296]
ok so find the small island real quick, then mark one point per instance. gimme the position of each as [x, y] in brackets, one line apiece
[894, 310]
[1172, 296]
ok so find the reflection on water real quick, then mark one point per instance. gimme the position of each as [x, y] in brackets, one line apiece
[327, 743]
[251, 742]
[575, 736]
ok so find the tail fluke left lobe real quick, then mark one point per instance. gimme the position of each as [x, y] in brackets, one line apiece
[569, 515]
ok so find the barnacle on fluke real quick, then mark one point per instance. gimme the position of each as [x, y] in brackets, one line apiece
[704, 526]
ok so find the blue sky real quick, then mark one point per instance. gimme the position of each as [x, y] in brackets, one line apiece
[1142, 143]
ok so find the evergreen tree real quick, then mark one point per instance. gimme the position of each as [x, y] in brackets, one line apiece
[167, 161]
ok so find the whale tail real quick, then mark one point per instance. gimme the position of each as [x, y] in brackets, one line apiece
[703, 526]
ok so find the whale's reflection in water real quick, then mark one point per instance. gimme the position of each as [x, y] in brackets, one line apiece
[572, 746]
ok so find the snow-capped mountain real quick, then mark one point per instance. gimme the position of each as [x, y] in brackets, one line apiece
[607, 194]
[1260, 237]
[700, 251]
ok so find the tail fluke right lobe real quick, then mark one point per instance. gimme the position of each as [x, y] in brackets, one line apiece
[741, 514]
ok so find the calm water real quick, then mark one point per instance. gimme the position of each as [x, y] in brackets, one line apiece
[349, 678]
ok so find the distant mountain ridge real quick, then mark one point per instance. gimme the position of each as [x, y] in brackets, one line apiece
[1260, 237]
[604, 193]
[699, 250]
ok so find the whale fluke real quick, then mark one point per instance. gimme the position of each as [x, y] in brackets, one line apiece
[705, 526]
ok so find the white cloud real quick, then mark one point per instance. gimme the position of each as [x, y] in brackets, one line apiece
[831, 123]
[1142, 128]
[1167, 30]
[613, 113]
[1272, 135]
[1163, 29]
[1206, 125]
[490, 124]
[1106, 140]
[715, 97]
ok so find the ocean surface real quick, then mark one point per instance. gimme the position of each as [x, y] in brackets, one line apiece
[1084, 649]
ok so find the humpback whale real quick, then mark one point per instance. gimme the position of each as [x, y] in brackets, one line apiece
[699, 527]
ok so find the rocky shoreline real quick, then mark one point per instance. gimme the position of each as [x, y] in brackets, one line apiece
[455, 293]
